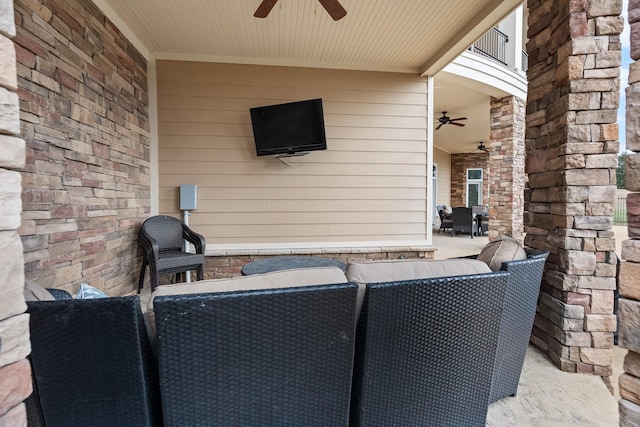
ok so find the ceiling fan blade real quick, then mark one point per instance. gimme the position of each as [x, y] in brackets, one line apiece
[459, 118]
[439, 126]
[334, 8]
[265, 7]
[457, 124]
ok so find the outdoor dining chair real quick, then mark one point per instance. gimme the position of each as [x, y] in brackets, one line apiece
[162, 240]
[464, 222]
[445, 218]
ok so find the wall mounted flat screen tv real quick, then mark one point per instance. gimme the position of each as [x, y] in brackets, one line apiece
[289, 129]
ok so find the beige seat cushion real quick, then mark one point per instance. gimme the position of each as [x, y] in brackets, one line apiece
[272, 280]
[36, 292]
[408, 269]
[503, 249]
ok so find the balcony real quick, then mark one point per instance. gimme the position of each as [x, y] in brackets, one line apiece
[492, 45]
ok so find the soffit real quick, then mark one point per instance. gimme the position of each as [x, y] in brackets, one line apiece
[401, 35]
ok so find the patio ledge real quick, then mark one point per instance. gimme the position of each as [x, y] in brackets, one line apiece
[316, 248]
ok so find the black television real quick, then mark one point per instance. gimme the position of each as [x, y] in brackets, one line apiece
[292, 128]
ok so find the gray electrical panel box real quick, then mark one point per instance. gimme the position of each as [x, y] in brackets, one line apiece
[188, 197]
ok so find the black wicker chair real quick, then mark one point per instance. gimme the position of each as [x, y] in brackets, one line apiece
[445, 220]
[277, 357]
[92, 365]
[463, 222]
[162, 240]
[519, 313]
[425, 351]
[482, 218]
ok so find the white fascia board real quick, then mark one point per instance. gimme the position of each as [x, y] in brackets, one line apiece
[486, 76]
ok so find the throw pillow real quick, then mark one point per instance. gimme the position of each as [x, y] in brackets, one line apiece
[503, 249]
[89, 292]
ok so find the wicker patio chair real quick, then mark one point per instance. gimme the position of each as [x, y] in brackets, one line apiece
[162, 240]
[280, 357]
[445, 220]
[425, 351]
[463, 221]
[92, 364]
[518, 315]
[482, 216]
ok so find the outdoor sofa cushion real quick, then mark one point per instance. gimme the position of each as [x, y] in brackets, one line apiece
[408, 269]
[271, 280]
[36, 292]
[503, 249]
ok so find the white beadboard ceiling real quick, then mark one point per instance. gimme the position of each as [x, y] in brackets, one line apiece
[400, 35]
[411, 36]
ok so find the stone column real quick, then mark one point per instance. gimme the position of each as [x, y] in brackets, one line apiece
[506, 166]
[629, 282]
[15, 372]
[572, 148]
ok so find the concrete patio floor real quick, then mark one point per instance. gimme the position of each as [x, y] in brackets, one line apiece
[546, 396]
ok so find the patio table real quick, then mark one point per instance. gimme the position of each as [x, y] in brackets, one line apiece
[289, 262]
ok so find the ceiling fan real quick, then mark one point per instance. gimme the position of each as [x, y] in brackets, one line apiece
[333, 8]
[482, 147]
[446, 120]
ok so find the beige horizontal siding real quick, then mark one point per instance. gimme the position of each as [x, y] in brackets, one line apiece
[369, 185]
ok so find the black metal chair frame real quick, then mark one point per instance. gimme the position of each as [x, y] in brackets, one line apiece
[162, 240]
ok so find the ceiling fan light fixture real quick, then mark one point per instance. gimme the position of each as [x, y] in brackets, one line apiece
[483, 147]
[446, 120]
[333, 8]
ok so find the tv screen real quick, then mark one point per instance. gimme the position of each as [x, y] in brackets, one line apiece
[289, 128]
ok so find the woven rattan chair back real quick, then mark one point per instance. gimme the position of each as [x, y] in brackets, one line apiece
[425, 351]
[166, 231]
[162, 241]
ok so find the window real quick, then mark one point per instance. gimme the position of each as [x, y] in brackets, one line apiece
[474, 187]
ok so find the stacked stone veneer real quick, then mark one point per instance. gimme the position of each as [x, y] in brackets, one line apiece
[629, 280]
[572, 148]
[221, 266]
[15, 373]
[459, 165]
[83, 105]
[506, 166]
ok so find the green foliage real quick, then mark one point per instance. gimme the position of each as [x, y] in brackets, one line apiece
[620, 170]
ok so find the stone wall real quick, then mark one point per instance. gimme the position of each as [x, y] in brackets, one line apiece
[572, 147]
[459, 165]
[225, 266]
[629, 284]
[83, 105]
[15, 371]
[506, 165]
